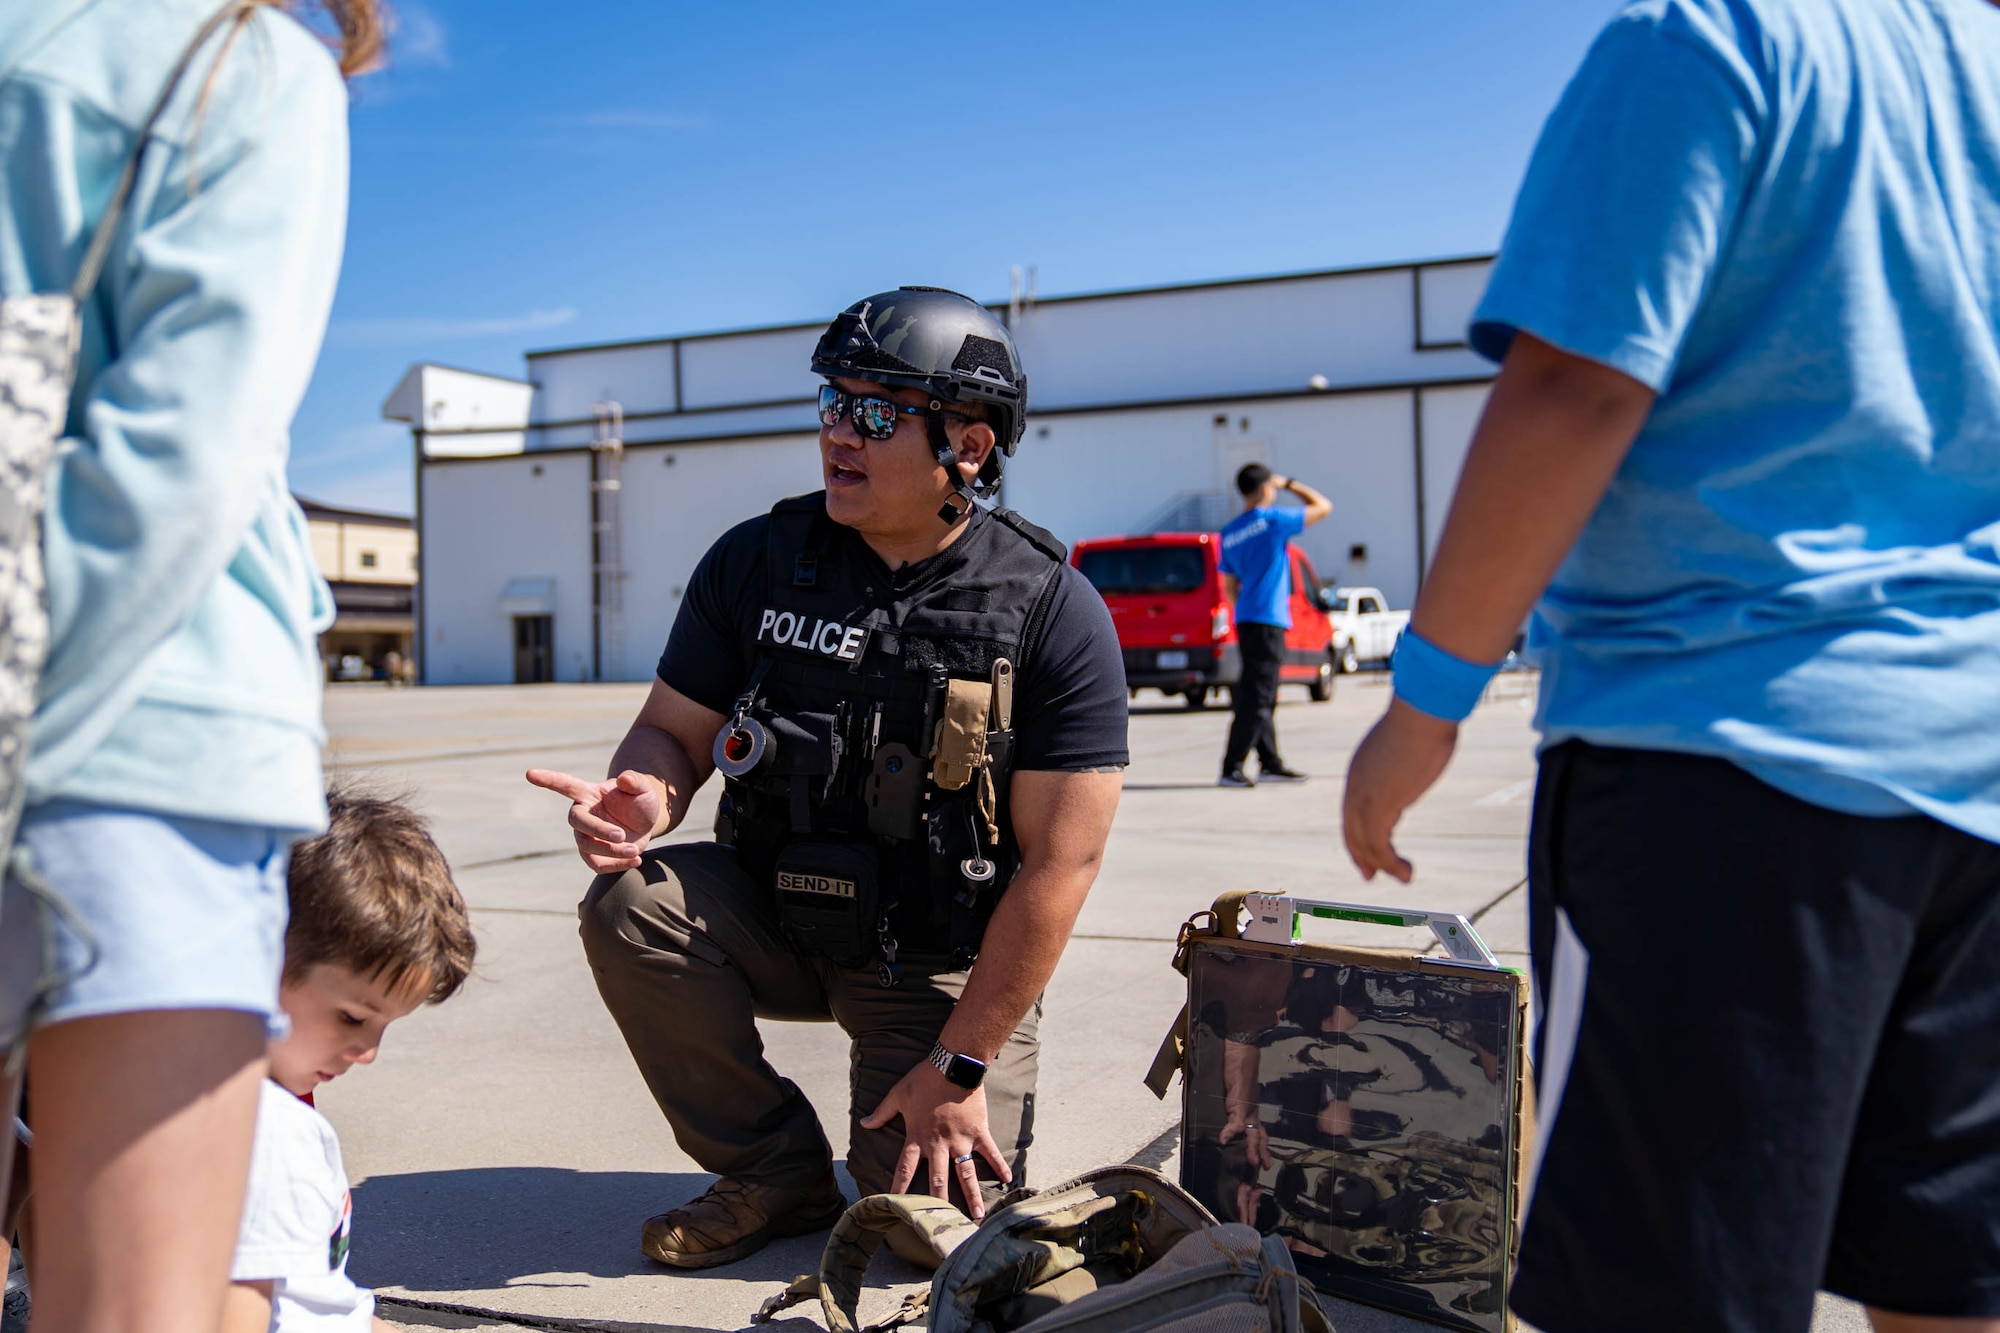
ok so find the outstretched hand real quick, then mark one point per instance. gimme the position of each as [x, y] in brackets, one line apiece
[942, 1123]
[1396, 763]
[612, 820]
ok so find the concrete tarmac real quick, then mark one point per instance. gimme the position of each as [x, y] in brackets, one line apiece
[503, 1150]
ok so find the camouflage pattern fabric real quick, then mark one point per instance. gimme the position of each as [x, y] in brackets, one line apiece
[937, 1226]
[1116, 1250]
[1102, 1228]
[860, 1233]
[1223, 1279]
[38, 341]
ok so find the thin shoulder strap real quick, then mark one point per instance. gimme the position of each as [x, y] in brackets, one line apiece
[107, 226]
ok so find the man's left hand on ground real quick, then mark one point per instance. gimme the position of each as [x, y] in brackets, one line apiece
[944, 1133]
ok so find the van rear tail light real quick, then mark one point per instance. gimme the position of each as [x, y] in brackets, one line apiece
[1218, 624]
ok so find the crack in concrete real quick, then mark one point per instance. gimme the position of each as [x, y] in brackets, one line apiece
[447, 1314]
[451, 1315]
[1480, 915]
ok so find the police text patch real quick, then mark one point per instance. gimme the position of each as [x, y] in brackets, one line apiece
[812, 634]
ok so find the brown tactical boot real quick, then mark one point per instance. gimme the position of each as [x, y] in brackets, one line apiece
[734, 1220]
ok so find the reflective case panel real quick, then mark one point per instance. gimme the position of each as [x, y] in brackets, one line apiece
[1366, 1107]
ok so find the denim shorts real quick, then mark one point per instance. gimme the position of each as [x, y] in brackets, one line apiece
[111, 911]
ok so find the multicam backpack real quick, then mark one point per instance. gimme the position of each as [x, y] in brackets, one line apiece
[1117, 1250]
[38, 346]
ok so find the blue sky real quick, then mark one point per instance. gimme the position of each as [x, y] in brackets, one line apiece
[532, 175]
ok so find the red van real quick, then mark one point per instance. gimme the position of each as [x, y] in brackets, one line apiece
[1178, 630]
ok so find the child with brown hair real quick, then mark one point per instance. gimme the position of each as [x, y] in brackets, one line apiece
[377, 929]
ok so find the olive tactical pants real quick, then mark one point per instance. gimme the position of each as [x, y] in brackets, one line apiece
[688, 955]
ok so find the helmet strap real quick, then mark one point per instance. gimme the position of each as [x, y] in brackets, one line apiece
[960, 503]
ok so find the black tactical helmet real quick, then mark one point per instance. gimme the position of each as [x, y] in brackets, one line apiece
[946, 344]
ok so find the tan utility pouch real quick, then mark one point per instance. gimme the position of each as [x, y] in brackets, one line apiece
[960, 749]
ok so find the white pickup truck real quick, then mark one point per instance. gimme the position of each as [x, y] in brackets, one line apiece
[1364, 628]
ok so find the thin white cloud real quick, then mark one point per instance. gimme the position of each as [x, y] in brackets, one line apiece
[420, 39]
[397, 330]
[367, 466]
[386, 490]
[633, 118]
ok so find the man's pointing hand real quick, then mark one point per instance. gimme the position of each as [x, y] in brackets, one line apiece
[613, 820]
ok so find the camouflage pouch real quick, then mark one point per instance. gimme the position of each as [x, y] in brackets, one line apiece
[38, 347]
[1117, 1250]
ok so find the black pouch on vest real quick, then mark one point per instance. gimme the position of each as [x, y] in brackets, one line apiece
[829, 896]
[801, 744]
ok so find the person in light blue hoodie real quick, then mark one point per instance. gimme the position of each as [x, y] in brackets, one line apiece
[1745, 449]
[178, 733]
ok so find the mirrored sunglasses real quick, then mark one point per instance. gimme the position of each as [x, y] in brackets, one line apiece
[874, 418]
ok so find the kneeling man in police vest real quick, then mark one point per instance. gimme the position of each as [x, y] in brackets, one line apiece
[918, 709]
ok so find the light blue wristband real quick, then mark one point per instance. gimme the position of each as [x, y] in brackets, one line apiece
[1431, 680]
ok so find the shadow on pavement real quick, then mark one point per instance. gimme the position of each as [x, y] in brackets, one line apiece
[500, 1228]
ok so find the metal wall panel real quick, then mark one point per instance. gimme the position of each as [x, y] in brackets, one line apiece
[748, 368]
[475, 444]
[1354, 329]
[726, 424]
[568, 383]
[676, 503]
[1105, 473]
[1448, 294]
[1450, 415]
[487, 523]
[479, 415]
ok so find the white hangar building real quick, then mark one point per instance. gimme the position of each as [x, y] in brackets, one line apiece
[545, 558]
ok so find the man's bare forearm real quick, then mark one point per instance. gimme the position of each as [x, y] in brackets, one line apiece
[1317, 505]
[654, 753]
[1024, 942]
[1062, 820]
[1552, 437]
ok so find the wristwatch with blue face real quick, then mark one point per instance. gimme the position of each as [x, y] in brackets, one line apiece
[962, 1070]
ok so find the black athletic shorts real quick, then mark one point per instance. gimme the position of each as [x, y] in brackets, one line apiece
[1769, 1055]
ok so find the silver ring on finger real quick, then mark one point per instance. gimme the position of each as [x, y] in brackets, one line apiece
[961, 1161]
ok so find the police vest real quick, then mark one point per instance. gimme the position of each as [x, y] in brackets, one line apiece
[865, 767]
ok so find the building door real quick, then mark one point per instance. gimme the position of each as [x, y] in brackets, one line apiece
[1231, 456]
[534, 650]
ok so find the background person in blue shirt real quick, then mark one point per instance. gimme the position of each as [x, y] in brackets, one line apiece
[1745, 447]
[1257, 576]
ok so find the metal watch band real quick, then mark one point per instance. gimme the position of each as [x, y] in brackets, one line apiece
[943, 1060]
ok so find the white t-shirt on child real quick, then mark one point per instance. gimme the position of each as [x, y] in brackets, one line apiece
[295, 1222]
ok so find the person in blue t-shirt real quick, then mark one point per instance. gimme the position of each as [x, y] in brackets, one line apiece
[1257, 577]
[1745, 448]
